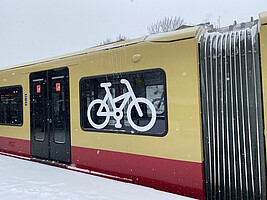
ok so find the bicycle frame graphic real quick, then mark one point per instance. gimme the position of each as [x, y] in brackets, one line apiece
[117, 112]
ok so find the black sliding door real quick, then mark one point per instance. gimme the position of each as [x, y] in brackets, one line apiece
[50, 121]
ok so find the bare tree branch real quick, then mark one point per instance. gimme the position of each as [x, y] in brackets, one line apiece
[119, 38]
[165, 25]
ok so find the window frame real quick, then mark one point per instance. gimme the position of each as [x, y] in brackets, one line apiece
[20, 89]
[81, 103]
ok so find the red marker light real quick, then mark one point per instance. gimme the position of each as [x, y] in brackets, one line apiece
[38, 88]
[58, 87]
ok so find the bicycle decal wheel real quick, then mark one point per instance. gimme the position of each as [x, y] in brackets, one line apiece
[153, 117]
[91, 105]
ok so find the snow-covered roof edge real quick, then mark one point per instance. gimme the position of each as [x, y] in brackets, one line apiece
[162, 37]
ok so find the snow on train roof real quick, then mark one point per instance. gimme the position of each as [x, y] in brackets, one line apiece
[188, 32]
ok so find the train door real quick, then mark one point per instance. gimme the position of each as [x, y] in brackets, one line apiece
[50, 121]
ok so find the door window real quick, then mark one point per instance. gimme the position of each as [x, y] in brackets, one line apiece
[59, 114]
[38, 104]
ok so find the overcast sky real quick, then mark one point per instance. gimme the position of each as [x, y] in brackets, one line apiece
[36, 29]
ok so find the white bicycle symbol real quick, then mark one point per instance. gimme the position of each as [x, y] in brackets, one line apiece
[117, 113]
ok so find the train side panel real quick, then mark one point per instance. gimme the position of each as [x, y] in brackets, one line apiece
[15, 139]
[175, 160]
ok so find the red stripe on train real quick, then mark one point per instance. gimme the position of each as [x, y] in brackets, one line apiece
[180, 177]
[15, 146]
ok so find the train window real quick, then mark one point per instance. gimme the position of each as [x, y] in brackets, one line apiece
[129, 103]
[59, 112]
[38, 108]
[11, 105]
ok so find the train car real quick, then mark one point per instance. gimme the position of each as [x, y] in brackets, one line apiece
[183, 111]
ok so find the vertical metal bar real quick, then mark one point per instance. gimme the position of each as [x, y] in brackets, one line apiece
[222, 115]
[232, 112]
[237, 119]
[227, 116]
[212, 114]
[204, 114]
[242, 113]
[217, 113]
[256, 110]
[208, 119]
[248, 110]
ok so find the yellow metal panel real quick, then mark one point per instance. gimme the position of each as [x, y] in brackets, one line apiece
[180, 62]
[263, 47]
[17, 77]
[263, 18]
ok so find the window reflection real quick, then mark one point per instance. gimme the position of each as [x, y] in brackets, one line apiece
[11, 105]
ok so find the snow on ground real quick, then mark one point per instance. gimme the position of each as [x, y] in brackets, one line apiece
[27, 180]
